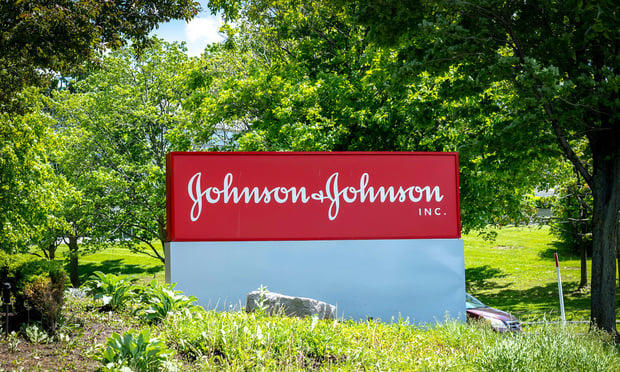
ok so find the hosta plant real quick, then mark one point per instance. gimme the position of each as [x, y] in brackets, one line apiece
[114, 290]
[160, 300]
[134, 351]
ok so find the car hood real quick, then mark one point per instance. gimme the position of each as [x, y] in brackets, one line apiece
[489, 312]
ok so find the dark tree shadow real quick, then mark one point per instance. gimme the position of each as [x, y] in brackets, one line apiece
[564, 252]
[544, 299]
[478, 277]
[116, 267]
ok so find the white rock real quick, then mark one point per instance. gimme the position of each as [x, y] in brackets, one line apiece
[276, 303]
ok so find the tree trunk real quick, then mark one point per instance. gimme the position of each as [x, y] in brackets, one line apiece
[51, 250]
[74, 275]
[584, 266]
[161, 224]
[605, 145]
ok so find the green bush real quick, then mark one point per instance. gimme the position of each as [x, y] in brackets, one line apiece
[46, 295]
[37, 286]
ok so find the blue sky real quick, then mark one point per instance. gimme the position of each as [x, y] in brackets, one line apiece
[199, 32]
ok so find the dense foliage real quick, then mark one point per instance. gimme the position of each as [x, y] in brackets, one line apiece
[560, 60]
[303, 76]
[41, 38]
[35, 289]
[40, 41]
[531, 82]
[118, 123]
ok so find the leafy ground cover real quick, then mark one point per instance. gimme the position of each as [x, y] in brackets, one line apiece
[193, 339]
[515, 272]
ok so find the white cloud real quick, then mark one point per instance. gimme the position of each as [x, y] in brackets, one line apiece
[202, 31]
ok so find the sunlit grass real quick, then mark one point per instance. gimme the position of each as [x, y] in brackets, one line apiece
[517, 272]
[117, 260]
[230, 341]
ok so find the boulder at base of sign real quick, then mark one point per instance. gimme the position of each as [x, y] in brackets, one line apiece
[276, 303]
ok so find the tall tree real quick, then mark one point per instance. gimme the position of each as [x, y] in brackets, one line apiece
[128, 115]
[540, 79]
[87, 190]
[40, 37]
[38, 40]
[561, 60]
[30, 192]
[300, 75]
[295, 77]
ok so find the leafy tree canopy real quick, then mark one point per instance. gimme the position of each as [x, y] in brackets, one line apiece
[304, 76]
[561, 61]
[119, 123]
[39, 40]
[39, 37]
[30, 193]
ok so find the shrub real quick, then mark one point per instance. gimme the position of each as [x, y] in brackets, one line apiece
[46, 295]
[35, 282]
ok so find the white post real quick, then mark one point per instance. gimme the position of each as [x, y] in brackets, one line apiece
[557, 267]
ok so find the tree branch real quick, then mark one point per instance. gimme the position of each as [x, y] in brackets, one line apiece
[549, 108]
[134, 236]
[568, 150]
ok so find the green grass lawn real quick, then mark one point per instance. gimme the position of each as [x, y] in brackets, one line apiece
[515, 272]
[117, 261]
[122, 261]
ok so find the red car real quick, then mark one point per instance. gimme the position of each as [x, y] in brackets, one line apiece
[500, 321]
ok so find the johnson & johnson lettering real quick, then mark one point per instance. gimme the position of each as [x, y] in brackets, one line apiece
[334, 193]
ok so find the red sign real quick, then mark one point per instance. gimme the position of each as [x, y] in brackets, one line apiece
[215, 196]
